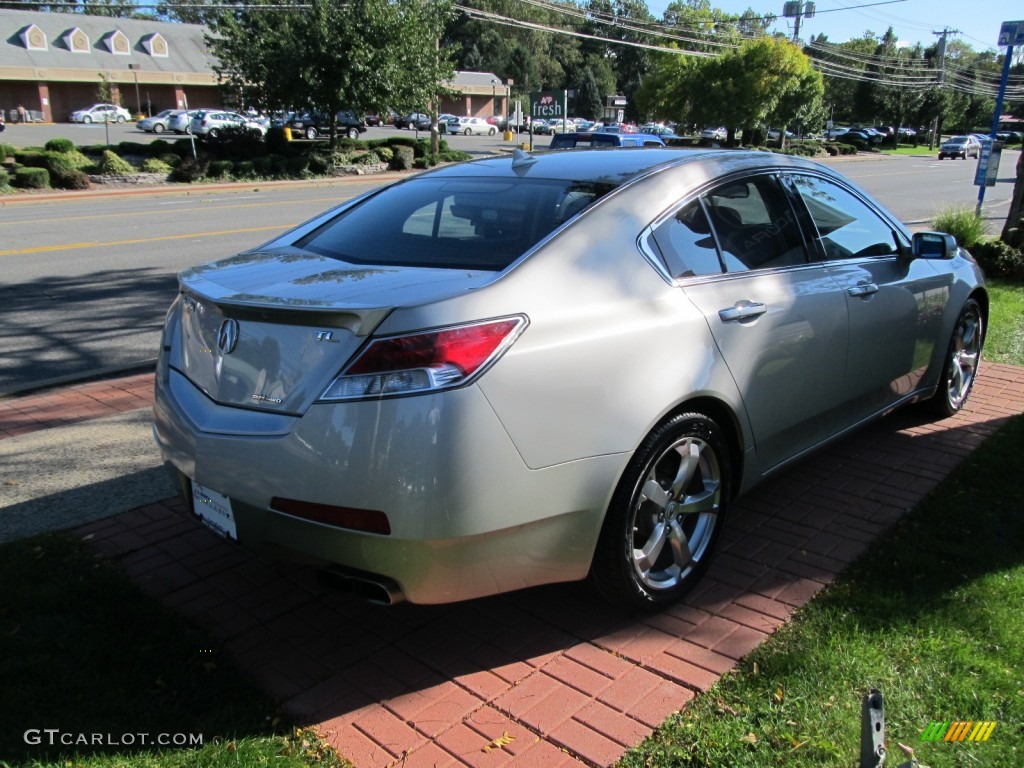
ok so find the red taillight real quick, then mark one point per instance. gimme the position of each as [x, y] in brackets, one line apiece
[425, 361]
[369, 520]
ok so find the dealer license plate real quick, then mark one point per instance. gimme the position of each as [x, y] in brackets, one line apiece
[214, 511]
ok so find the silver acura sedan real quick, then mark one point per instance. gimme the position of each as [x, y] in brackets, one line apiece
[534, 369]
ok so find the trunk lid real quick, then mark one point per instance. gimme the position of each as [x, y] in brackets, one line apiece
[269, 330]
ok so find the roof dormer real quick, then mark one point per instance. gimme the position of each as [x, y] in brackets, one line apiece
[34, 39]
[155, 44]
[117, 43]
[76, 41]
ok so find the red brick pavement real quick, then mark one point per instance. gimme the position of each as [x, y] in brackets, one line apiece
[559, 678]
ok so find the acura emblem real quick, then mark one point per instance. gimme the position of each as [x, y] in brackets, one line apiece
[227, 336]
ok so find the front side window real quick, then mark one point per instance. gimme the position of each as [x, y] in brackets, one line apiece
[471, 223]
[755, 225]
[847, 228]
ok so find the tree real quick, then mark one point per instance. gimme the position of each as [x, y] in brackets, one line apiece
[323, 59]
[589, 100]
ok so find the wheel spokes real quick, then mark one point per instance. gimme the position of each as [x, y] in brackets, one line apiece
[647, 556]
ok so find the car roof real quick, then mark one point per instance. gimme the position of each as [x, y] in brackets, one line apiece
[616, 166]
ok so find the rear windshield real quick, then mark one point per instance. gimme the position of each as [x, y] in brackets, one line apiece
[452, 223]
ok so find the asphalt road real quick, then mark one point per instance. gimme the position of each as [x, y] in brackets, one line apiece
[85, 281]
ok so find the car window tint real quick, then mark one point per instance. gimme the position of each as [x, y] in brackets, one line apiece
[846, 227]
[755, 225]
[687, 245]
[454, 223]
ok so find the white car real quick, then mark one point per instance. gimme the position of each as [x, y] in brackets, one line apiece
[212, 122]
[101, 113]
[473, 126]
[157, 123]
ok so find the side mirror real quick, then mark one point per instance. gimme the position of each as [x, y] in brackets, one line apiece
[933, 245]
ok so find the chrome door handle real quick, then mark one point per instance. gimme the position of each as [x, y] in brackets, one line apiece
[865, 289]
[742, 311]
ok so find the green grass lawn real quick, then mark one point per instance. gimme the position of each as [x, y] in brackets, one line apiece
[84, 651]
[1004, 342]
[907, 149]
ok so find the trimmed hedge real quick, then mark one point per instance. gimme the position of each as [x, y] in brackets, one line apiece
[405, 157]
[155, 165]
[6, 150]
[112, 165]
[60, 144]
[70, 178]
[32, 178]
[5, 178]
[999, 259]
[220, 168]
[190, 169]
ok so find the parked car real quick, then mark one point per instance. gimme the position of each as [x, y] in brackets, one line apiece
[101, 113]
[472, 126]
[960, 146]
[414, 121]
[316, 125]
[835, 132]
[457, 385]
[181, 121]
[212, 123]
[773, 134]
[858, 138]
[587, 140]
[715, 134]
[157, 123]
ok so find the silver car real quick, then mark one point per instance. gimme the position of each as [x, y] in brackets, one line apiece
[539, 368]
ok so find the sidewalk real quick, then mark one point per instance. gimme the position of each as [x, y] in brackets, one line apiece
[571, 682]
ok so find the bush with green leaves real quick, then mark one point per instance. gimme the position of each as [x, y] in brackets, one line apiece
[60, 144]
[262, 166]
[319, 164]
[32, 178]
[30, 158]
[366, 158]
[190, 169]
[159, 147]
[404, 158]
[6, 150]
[386, 154]
[220, 168]
[245, 169]
[963, 223]
[236, 143]
[999, 259]
[133, 148]
[5, 178]
[156, 165]
[114, 165]
[70, 178]
[298, 166]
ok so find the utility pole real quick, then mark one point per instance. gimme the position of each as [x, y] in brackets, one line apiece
[942, 77]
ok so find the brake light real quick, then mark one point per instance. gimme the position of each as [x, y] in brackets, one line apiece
[427, 361]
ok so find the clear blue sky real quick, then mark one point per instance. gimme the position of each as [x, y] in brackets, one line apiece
[912, 20]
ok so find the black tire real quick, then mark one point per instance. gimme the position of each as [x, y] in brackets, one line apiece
[311, 133]
[466, 132]
[213, 133]
[492, 131]
[353, 133]
[670, 502]
[960, 367]
[411, 126]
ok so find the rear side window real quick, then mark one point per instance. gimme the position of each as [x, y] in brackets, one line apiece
[687, 244]
[454, 223]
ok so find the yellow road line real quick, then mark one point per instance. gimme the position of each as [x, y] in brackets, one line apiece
[72, 246]
[150, 212]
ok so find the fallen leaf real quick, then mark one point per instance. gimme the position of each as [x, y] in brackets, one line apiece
[502, 741]
[780, 694]
[750, 738]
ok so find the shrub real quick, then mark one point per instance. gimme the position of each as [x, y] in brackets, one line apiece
[112, 165]
[262, 166]
[170, 159]
[999, 259]
[276, 141]
[367, 158]
[279, 165]
[132, 148]
[386, 154]
[298, 165]
[69, 178]
[5, 178]
[29, 158]
[32, 178]
[220, 168]
[236, 143]
[245, 169]
[190, 169]
[319, 164]
[155, 165]
[963, 223]
[60, 145]
[404, 158]
[6, 150]
[159, 147]
[453, 156]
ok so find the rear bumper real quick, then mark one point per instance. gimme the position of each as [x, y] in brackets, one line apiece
[468, 518]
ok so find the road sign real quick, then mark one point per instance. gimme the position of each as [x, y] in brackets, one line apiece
[548, 104]
[1011, 33]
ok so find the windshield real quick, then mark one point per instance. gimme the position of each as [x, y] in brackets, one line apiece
[469, 223]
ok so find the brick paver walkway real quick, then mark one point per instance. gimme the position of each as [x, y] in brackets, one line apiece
[571, 682]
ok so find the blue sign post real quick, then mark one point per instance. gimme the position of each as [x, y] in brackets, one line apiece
[1011, 33]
